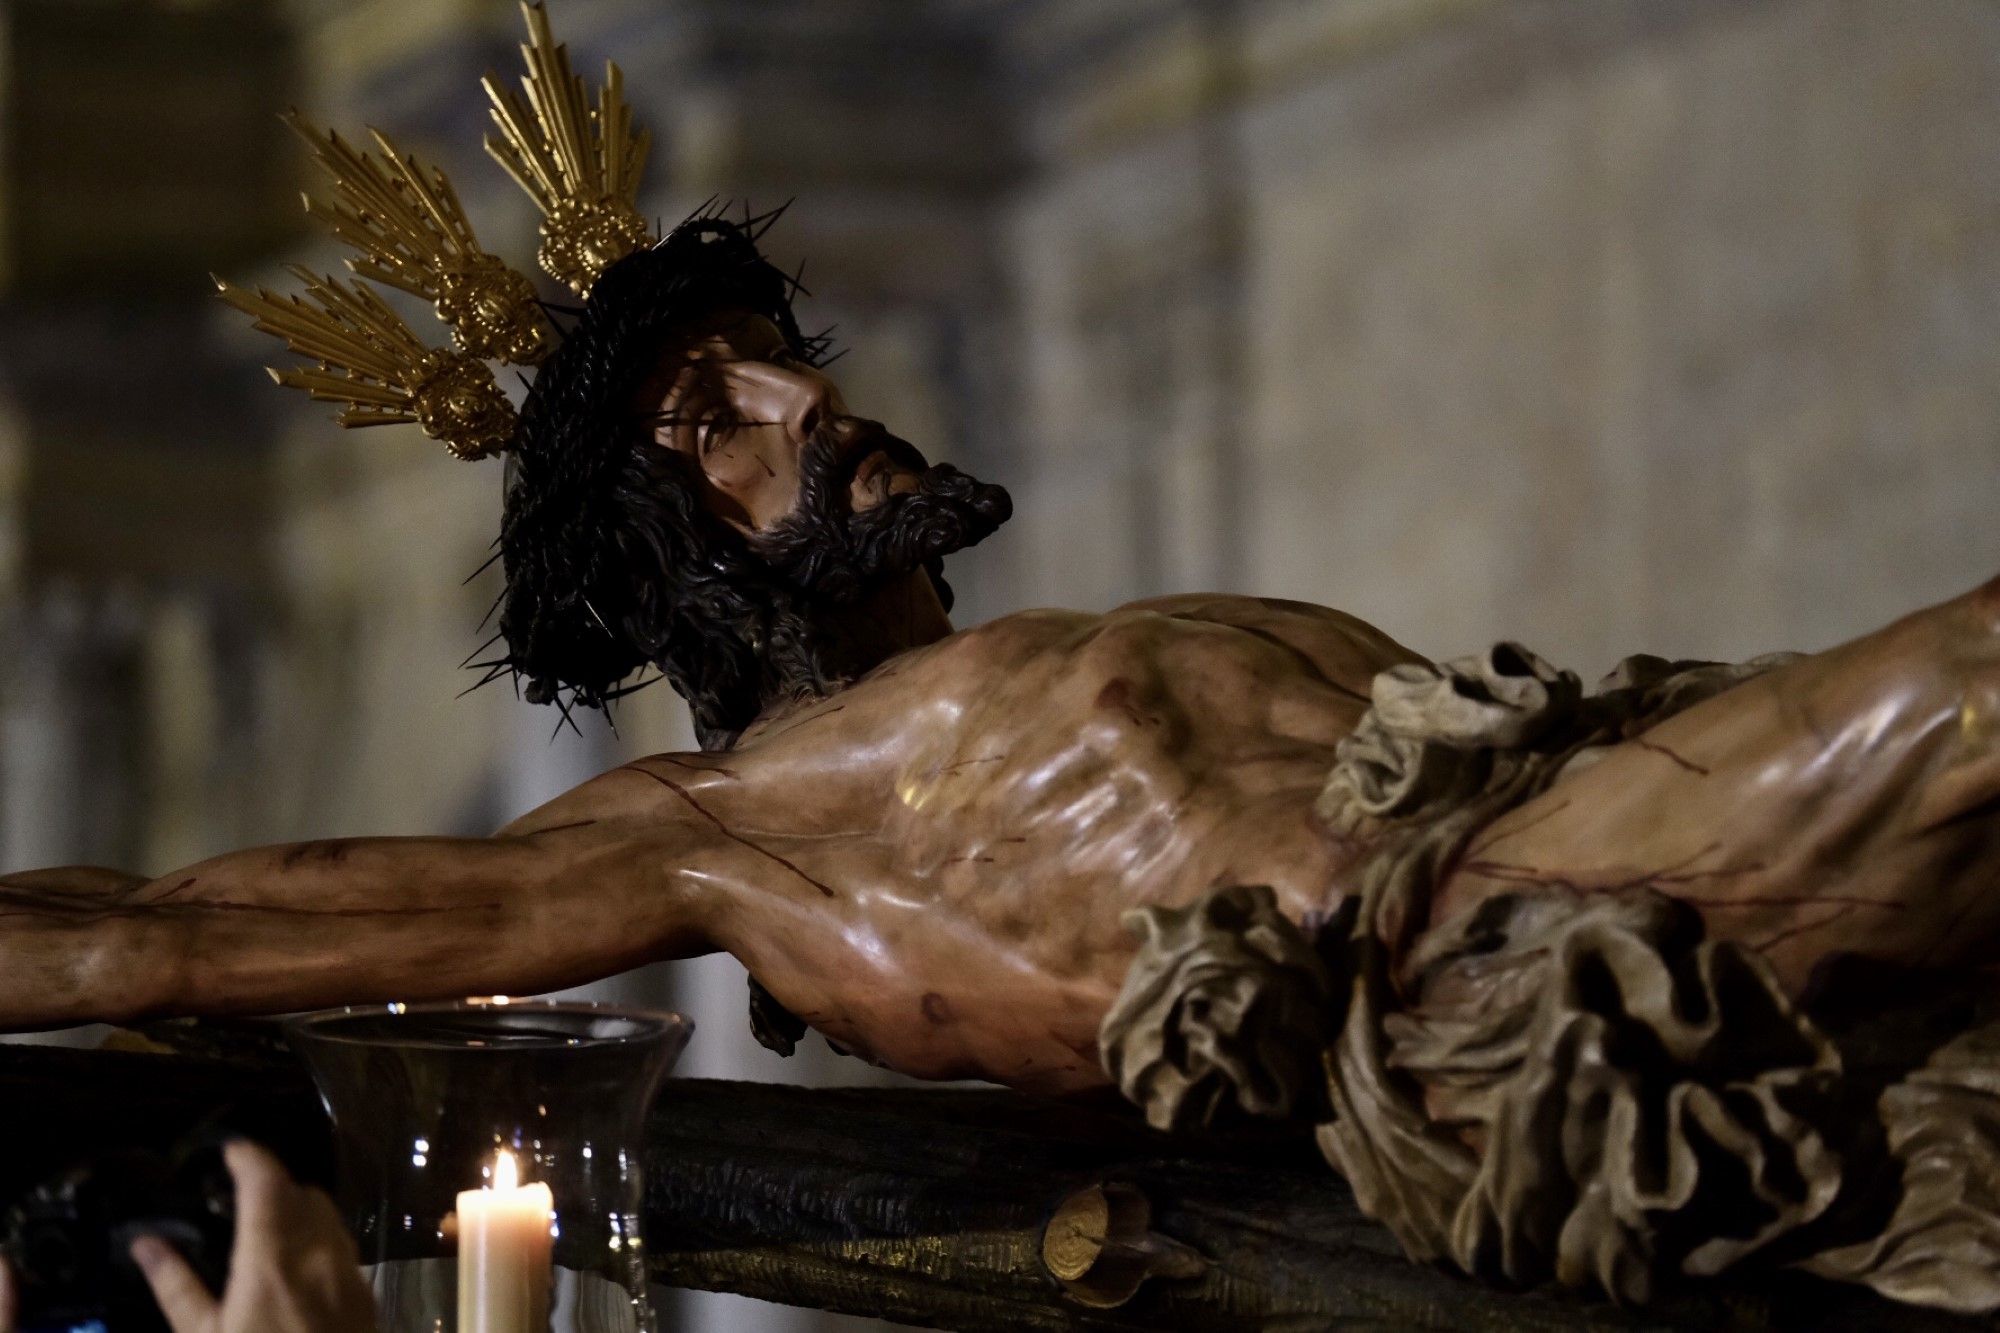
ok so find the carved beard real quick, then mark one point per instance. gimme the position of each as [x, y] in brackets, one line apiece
[831, 553]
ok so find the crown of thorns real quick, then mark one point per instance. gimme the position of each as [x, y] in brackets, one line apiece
[569, 449]
[580, 159]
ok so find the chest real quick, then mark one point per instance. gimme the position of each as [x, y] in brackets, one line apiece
[1142, 756]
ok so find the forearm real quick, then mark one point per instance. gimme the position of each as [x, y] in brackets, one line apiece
[279, 928]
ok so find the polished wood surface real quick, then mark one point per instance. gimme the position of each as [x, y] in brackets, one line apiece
[929, 1206]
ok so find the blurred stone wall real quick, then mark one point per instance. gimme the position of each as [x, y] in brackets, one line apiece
[1606, 326]
[1609, 325]
[139, 613]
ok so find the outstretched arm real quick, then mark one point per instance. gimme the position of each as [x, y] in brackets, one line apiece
[1848, 803]
[551, 902]
[665, 857]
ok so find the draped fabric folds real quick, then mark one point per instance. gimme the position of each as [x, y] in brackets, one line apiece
[1554, 1087]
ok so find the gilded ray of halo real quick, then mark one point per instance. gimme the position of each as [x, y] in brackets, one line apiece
[369, 359]
[581, 165]
[412, 234]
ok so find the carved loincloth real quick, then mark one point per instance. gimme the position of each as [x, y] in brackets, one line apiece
[1553, 1087]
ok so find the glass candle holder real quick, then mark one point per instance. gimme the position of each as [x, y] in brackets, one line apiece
[489, 1157]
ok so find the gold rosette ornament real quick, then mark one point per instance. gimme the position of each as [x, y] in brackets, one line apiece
[370, 360]
[412, 234]
[581, 164]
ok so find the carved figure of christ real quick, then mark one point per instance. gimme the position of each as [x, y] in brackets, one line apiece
[929, 864]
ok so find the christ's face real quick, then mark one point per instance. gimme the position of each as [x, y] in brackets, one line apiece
[737, 400]
[831, 504]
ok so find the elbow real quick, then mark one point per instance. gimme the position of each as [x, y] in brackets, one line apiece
[118, 970]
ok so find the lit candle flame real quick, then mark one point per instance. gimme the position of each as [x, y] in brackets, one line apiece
[505, 1237]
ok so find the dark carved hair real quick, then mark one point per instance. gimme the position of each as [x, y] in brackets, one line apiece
[612, 560]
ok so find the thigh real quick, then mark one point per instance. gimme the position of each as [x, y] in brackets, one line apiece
[1847, 803]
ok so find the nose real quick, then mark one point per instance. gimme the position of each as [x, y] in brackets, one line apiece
[801, 399]
[812, 403]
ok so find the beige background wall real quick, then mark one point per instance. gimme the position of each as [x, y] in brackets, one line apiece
[1610, 325]
[1603, 326]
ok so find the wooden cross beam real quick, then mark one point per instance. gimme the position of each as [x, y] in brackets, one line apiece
[959, 1209]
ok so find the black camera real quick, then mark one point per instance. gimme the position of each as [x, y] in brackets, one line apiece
[68, 1239]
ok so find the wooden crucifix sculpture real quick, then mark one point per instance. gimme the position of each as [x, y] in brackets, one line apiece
[1595, 988]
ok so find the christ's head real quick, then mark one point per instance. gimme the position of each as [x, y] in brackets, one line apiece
[691, 492]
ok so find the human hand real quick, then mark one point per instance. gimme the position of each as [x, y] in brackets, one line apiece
[293, 1269]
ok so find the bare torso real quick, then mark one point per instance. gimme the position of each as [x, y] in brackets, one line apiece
[932, 865]
[940, 887]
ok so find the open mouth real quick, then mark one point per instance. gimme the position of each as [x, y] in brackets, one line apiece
[868, 472]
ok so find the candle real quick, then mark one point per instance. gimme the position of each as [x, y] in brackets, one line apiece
[503, 1254]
